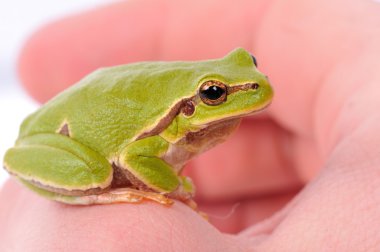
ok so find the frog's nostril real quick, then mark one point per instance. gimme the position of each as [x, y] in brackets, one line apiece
[255, 86]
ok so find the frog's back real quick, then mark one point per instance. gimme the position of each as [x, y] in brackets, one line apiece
[111, 106]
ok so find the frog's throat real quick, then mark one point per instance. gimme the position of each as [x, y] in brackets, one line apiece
[194, 143]
[187, 106]
[209, 136]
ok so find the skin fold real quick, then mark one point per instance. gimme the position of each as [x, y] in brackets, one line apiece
[317, 148]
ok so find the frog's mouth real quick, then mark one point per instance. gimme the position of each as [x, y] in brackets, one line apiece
[259, 109]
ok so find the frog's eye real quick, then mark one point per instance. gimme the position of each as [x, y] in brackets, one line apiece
[213, 93]
[254, 60]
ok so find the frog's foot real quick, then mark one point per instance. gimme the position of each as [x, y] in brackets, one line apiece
[193, 205]
[121, 195]
[185, 193]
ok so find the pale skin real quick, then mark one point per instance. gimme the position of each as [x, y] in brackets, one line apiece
[324, 68]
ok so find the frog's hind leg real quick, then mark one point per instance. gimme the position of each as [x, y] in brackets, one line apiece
[62, 169]
[58, 165]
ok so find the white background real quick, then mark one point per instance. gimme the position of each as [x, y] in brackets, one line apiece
[19, 19]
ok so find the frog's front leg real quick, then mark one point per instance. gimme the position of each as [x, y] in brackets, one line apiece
[143, 160]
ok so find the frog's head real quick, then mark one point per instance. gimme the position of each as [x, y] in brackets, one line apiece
[233, 88]
[226, 88]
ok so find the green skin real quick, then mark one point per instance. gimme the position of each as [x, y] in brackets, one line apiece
[123, 133]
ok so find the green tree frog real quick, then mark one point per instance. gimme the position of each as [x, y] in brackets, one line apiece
[124, 133]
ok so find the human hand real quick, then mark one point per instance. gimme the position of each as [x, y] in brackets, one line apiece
[321, 130]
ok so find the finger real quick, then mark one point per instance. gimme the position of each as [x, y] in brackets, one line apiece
[315, 77]
[236, 215]
[31, 223]
[339, 209]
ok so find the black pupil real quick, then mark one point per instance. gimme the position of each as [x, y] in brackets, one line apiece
[212, 92]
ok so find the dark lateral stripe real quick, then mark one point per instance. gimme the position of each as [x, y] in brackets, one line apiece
[166, 120]
[243, 87]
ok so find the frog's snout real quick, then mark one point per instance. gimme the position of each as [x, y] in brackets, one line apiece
[265, 89]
